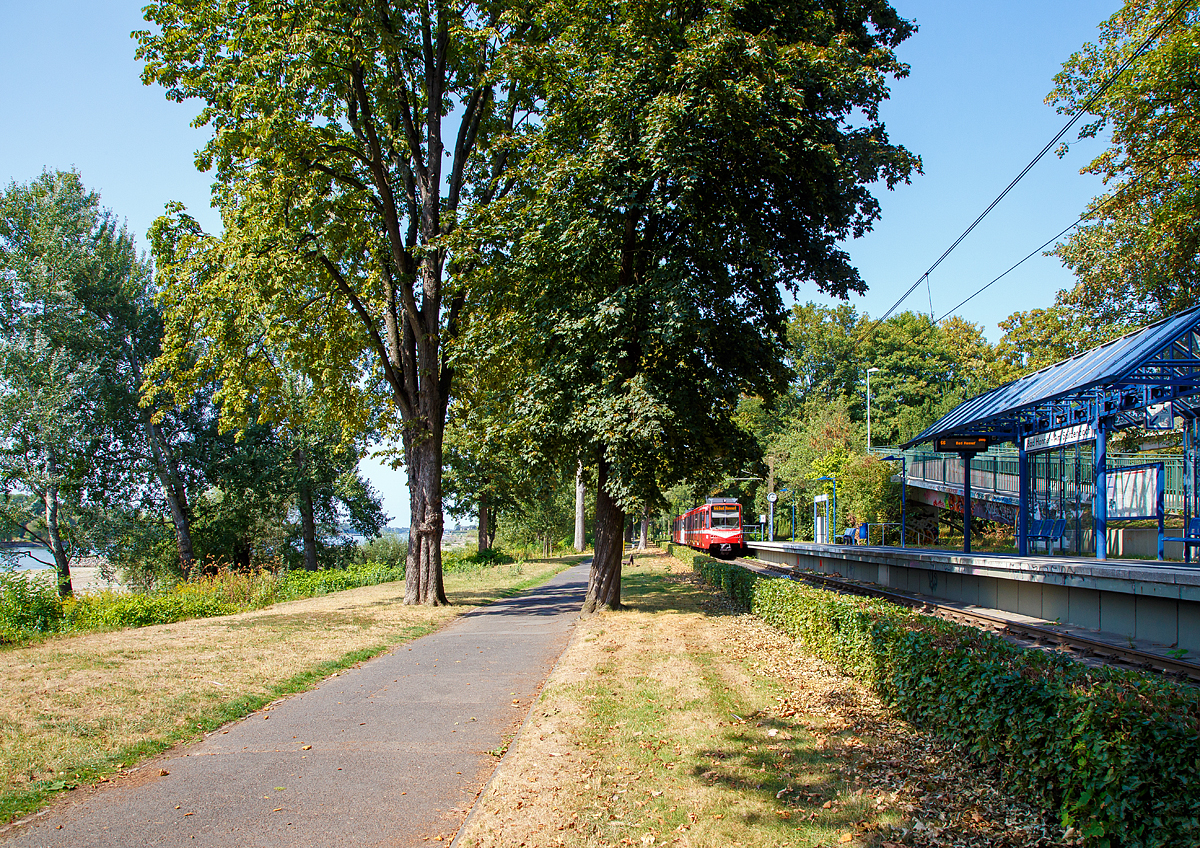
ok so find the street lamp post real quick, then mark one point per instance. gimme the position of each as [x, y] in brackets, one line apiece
[870, 371]
[903, 490]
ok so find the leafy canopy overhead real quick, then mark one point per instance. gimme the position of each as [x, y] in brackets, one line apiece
[1138, 254]
[693, 160]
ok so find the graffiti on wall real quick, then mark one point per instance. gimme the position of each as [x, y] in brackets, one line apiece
[1001, 513]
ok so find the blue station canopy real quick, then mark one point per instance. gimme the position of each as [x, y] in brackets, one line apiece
[1119, 381]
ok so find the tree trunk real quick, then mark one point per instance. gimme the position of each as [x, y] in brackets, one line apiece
[423, 571]
[169, 478]
[62, 564]
[166, 468]
[644, 538]
[309, 525]
[580, 506]
[484, 539]
[604, 579]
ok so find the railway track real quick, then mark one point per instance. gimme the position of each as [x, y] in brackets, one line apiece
[1081, 648]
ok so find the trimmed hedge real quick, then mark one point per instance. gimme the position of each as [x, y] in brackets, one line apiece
[1115, 753]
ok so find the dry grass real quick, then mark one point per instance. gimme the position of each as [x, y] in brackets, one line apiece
[75, 708]
[677, 722]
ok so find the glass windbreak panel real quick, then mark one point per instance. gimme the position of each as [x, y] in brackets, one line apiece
[726, 516]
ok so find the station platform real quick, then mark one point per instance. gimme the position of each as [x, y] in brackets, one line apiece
[1144, 601]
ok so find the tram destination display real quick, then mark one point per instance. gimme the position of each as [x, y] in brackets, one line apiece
[962, 444]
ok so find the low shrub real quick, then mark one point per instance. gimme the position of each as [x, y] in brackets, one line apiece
[29, 605]
[389, 550]
[110, 610]
[470, 561]
[306, 584]
[1115, 753]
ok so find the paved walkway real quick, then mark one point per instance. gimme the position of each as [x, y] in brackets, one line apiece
[391, 753]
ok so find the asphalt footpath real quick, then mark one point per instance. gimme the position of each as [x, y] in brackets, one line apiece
[392, 752]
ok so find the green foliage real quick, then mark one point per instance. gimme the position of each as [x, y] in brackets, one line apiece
[31, 607]
[1137, 256]
[821, 440]
[490, 556]
[28, 605]
[304, 584]
[1113, 752]
[112, 610]
[647, 290]
[470, 561]
[389, 550]
[736, 582]
[926, 368]
[1039, 337]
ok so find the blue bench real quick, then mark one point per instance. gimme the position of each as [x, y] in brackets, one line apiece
[1191, 536]
[1049, 529]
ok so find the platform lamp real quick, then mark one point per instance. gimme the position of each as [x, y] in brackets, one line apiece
[834, 482]
[903, 490]
[870, 371]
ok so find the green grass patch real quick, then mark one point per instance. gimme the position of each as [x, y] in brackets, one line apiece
[1114, 753]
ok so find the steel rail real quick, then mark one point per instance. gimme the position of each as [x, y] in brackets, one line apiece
[1069, 642]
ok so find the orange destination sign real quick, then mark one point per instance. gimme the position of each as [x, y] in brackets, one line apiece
[962, 444]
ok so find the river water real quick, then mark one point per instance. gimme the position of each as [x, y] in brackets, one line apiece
[22, 558]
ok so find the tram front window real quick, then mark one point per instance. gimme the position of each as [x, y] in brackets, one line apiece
[728, 518]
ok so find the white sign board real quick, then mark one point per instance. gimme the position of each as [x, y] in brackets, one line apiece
[1132, 492]
[1058, 438]
[1160, 416]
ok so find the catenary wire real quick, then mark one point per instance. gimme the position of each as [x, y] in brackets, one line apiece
[1074, 117]
[984, 287]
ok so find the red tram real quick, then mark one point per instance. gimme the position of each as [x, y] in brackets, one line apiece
[715, 528]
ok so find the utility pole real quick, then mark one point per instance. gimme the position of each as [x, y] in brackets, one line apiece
[771, 496]
[870, 371]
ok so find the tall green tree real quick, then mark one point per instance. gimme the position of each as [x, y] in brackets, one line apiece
[88, 291]
[348, 140]
[49, 444]
[1137, 255]
[694, 159]
[55, 436]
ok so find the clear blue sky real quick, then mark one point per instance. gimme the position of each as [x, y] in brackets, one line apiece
[972, 108]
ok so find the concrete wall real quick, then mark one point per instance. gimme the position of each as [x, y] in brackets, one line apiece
[1156, 602]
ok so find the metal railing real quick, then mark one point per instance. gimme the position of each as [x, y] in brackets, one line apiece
[1058, 477]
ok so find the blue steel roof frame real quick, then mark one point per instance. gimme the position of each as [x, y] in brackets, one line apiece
[1160, 362]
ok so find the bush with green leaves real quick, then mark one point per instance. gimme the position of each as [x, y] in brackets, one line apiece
[28, 605]
[111, 610]
[306, 584]
[1115, 753]
[389, 549]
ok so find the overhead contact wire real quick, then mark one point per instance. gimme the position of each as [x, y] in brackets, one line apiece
[983, 288]
[1058, 137]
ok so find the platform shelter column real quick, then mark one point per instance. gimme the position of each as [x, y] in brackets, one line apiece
[1022, 497]
[1189, 480]
[966, 460]
[1100, 508]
